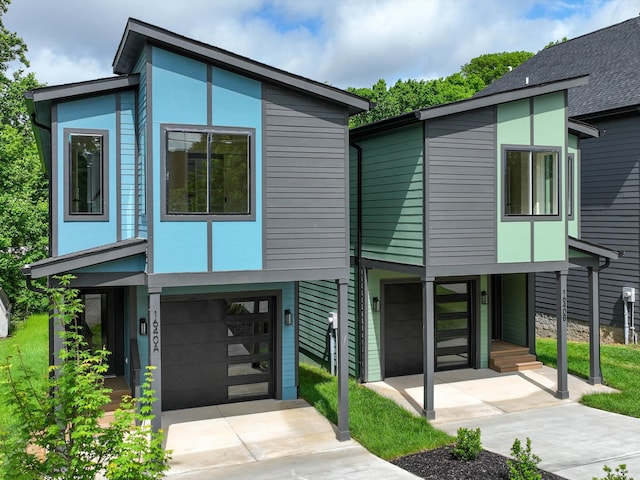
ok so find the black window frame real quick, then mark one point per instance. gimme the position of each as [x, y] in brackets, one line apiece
[166, 215]
[69, 214]
[571, 186]
[532, 150]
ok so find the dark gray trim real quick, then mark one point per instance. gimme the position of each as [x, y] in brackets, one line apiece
[86, 217]
[209, 95]
[496, 268]
[263, 172]
[414, 270]
[118, 169]
[86, 258]
[364, 341]
[138, 33]
[54, 185]
[570, 185]
[108, 279]
[531, 313]
[532, 130]
[595, 372]
[247, 276]
[149, 138]
[562, 391]
[503, 173]
[136, 166]
[342, 285]
[582, 129]
[190, 217]
[155, 355]
[592, 248]
[425, 194]
[347, 184]
[428, 348]
[209, 246]
[79, 89]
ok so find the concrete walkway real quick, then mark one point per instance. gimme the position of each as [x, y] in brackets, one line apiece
[572, 440]
[266, 439]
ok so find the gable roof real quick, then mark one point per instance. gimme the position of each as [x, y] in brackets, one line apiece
[611, 58]
[137, 34]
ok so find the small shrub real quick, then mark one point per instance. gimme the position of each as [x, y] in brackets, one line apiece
[524, 463]
[468, 445]
[620, 473]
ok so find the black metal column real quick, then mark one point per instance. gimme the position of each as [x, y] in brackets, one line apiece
[595, 374]
[561, 285]
[343, 361]
[429, 347]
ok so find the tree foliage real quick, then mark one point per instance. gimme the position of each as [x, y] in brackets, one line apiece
[23, 187]
[409, 95]
[57, 432]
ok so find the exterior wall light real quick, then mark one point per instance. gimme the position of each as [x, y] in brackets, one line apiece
[143, 326]
[483, 297]
[376, 304]
[288, 317]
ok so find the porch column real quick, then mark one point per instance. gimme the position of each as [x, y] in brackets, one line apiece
[595, 374]
[428, 347]
[531, 312]
[343, 361]
[561, 284]
[155, 358]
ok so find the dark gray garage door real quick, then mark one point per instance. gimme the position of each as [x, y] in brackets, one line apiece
[216, 350]
[402, 329]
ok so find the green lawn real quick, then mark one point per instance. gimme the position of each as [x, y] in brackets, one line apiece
[620, 369]
[379, 424]
[31, 339]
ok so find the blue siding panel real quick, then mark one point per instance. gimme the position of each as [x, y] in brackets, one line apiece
[141, 68]
[127, 164]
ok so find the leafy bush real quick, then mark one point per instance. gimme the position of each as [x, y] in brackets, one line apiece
[620, 473]
[56, 433]
[524, 463]
[468, 445]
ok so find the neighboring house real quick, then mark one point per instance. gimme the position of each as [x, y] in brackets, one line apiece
[188, 195]
[5, 314]
[610, 174]
[453, 210]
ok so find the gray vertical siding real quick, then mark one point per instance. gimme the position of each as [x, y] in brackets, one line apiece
[610, 216]
[141, 68]
[127, 163]
[305, 223]
[316, 300]
[461, 189]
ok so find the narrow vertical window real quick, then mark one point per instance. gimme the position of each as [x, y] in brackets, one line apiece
[570, 185]
[86, 174]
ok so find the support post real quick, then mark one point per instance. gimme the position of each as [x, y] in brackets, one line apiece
[428, 347]
[155, 358]
[561, 284]
[343, 361]
[531, 312]
[595, 374]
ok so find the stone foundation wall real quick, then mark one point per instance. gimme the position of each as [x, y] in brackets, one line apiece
[577, 330]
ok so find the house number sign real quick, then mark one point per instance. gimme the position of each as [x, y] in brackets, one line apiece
[155, 332]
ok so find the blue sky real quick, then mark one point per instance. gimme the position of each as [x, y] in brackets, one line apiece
[341, 42]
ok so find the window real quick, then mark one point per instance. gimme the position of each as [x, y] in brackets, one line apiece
[570, 185]
[86, 174]
[531, 182]
[208, 172]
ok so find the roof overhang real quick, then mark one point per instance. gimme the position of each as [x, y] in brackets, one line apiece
[85, 258]
[137, 34]
[473, 103]
[588, 254]
[583, 130]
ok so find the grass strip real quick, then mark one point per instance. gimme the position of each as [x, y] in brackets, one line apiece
[620, 365]
[377, 423]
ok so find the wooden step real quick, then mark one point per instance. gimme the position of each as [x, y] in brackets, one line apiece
[518, 367]
[506, 357]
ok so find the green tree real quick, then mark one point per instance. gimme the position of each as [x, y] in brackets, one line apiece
[23, 187]
[491, 66]
[56, 432]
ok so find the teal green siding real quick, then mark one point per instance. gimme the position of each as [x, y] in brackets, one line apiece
[316, 300]
[514, 308]
[392, 196]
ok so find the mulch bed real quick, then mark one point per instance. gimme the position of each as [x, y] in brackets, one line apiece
[440, 464]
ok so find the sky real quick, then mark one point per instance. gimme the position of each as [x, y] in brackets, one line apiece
[346, 43]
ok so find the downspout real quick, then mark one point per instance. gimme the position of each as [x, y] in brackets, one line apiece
[362, 310]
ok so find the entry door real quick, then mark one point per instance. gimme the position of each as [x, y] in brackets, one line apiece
[453, 316]
[102, 322]
[402, 329]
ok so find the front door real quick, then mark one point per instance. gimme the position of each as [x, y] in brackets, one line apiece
[102, 323]
[453, 317]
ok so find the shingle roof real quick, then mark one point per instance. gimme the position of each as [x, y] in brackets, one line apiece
[611, 58]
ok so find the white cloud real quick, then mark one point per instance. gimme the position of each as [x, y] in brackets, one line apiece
[343, 42]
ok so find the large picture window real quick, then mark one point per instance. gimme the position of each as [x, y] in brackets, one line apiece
[86, 174]
[531, 182]
[208, 172]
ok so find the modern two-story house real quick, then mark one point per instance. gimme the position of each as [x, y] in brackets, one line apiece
[610, 185]
[454, 209]
[188, 195]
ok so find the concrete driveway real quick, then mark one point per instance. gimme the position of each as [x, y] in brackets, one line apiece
[266, 439]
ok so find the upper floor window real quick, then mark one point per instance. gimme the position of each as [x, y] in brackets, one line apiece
[531, 182]
[209, 171]
[85, 174]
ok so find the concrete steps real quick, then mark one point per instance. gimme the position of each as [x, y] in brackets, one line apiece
[119, 389]
[506, 357]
